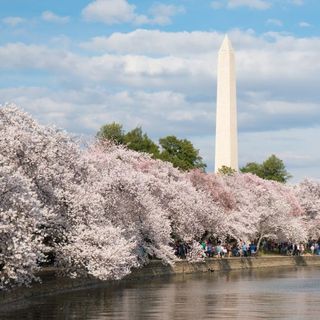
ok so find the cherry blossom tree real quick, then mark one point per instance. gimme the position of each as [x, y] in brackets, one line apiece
[47, 163]
[127, 202]
[49, 158]
[57, 173]
[191, 211]
[264, 209]
[101, 251]
[151, 200]
[215, 185]
[308, 193]
[20, 213]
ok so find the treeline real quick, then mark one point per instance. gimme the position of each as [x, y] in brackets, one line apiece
[101, 211]
[183, 155]
[180, 152]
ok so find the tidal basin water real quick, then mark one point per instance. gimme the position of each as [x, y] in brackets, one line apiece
[264, 294]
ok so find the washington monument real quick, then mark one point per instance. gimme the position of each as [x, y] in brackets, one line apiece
[226, 153]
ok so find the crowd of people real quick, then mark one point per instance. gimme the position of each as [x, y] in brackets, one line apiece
[294, 249]
[211, 248]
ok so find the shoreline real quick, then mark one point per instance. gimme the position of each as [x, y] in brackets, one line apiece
[52, 284]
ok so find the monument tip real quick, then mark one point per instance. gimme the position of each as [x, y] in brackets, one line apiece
[226, 44]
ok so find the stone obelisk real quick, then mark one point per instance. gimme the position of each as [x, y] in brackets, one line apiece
[226, 153]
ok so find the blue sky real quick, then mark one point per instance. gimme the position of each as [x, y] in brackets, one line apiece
[80, 64]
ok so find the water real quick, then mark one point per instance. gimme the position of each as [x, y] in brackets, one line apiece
[269, 294]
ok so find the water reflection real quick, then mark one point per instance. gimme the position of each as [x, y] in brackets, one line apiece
[268, 294]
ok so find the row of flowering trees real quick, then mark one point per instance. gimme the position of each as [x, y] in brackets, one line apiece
[104, 210]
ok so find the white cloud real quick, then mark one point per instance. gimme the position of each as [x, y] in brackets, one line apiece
[157, 43]
[304, 24]
[13, 21]
[60, 41]
[278, 60]
[252, 4]
[52, 17]
[121, 11]
[275, 22]
[110, 11]
[162, 13]
[234, 4]
[88, 109]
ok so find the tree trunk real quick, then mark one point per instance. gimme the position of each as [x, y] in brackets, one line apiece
[259, 242]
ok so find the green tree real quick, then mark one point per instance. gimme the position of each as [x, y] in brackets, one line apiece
[181, 153]
[139, 141]
[252, 167]
[274, 169]
[271, 169]
[226, 171]
[112, 131]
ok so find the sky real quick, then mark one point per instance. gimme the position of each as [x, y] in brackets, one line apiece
[79, 64]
